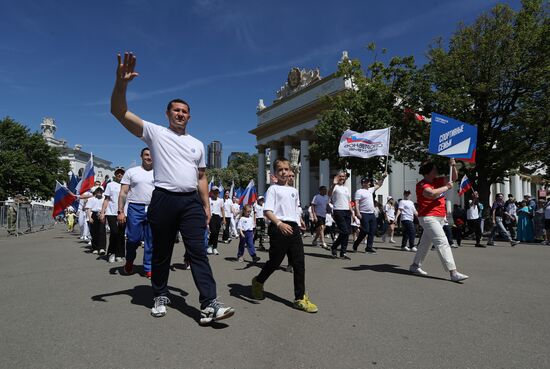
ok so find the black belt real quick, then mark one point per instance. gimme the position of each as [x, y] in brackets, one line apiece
[175, 193]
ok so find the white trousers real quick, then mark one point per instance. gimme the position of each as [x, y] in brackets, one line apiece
[434, 233]
[83, 224]
[233, 227]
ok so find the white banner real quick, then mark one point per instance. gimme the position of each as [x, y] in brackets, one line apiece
[366, 144]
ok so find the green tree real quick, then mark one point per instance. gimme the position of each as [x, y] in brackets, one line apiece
[241, 170]
[495, 74]
[28, 165]
[375, 101]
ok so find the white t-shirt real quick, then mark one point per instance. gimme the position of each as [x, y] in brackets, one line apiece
[284, 202]
[142, 184]
[320, 203]
[407, 210]
[341, 197]
[259, 210]
[235, 208]
[216, 206]
[94, 204]
[176, 158]
[112, 190]
[227, 207]
[363, 199]
[473, 212]
[328, 220]
[390, 211]
[246, 224]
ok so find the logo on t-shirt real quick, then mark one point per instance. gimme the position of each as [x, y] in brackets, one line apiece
[293, 195]
[192, 150]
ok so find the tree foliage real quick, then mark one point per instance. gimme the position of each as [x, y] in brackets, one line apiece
[241, 170]
[375, 101]
[28, 165]
[493, 74]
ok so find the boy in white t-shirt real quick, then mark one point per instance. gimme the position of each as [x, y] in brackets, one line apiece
[284, 237]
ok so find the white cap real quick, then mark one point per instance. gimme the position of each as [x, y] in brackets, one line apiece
[215, 188]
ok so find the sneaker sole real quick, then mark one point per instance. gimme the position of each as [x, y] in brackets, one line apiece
[157, 315]
[205, 321]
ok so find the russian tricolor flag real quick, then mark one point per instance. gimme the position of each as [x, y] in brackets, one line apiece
[465, 185]
[87, 181]
[62, 199]
[250, 195]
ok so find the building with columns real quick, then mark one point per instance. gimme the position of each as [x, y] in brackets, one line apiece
[76, 157]
[286, 128]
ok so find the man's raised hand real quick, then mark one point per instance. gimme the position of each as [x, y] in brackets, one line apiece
[125, 71]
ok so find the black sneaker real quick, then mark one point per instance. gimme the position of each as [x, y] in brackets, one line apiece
[255, 258]
[370, 251]
[335, 255]
[344, 257]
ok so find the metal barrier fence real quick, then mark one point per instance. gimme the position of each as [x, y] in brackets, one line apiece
[17, 219]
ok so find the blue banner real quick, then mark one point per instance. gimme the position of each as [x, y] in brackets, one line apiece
[452, 138]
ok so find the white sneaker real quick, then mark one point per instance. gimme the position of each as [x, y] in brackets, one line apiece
[209, 250]
[215, 251]
[112, 258]
[417, 271]
[414, 249]
[215, 311]
[102, 252]
[457, 277]
[240, 259]
[406, 248]
[454, 246]
[159, 309]
[89, 243]
[94, 252]
[392, 241]
[118, 259]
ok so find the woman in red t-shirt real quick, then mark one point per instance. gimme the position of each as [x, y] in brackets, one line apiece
[430, 195]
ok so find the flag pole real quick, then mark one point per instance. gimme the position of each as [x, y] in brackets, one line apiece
[388, 156]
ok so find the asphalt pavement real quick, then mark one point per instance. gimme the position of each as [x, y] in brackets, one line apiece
[63, 307]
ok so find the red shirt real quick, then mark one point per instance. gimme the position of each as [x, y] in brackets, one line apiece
[430, 207]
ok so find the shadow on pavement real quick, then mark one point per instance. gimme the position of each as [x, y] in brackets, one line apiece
[316, 255]
[243, 292]
[389, 268]
[143, 295]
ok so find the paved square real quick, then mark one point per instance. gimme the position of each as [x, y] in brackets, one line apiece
[63, 308]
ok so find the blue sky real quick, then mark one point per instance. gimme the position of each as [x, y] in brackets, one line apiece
[58, 58]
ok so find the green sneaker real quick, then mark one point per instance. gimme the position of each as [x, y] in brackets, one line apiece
[257, 290]
[305, 305]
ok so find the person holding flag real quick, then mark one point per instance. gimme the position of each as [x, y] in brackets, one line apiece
[465, 186]
[430, 194]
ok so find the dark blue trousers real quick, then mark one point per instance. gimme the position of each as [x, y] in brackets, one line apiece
[368, 228]
[169, 213]
[409, 233]
[342, 218]
[247, 240]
